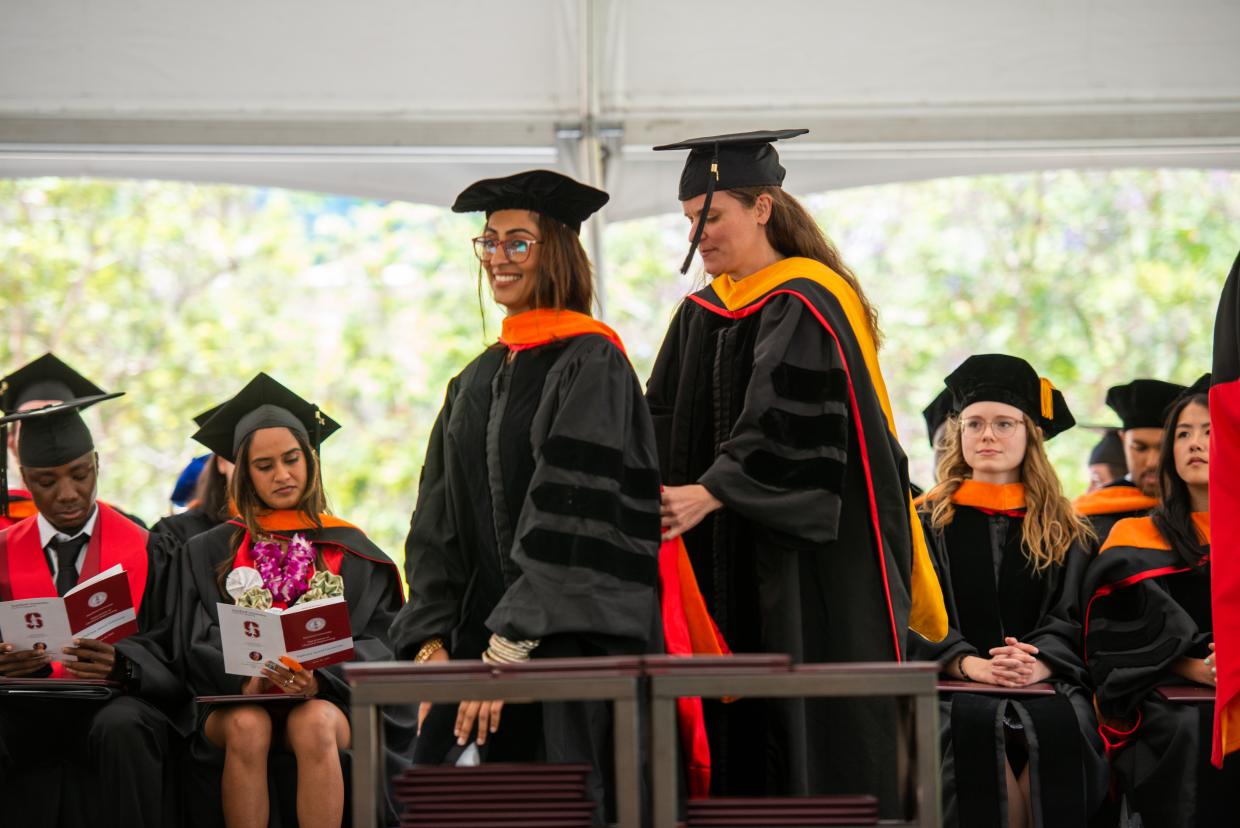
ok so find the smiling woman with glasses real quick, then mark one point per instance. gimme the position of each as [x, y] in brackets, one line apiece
[536, 531]
[1010, 554]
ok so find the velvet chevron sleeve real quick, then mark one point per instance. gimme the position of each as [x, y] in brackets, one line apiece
[434, 565]
[586, 540]
[783, 465]
[1134, 630]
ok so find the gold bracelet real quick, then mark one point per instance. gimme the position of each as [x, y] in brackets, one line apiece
[431, 647]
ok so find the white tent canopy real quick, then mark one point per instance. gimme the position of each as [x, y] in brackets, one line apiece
[411, 99]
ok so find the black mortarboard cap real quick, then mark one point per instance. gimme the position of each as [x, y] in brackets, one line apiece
[726, 162]
[1143, 403]
[937, 412]
[200, 420]
[54, 434]
[542, 191]
[1110, 450]
[1010, 380]
[47, 378]
[51, 436]
[1201, 386]
[263, 403]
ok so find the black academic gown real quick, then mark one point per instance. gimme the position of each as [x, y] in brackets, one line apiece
[373, 592]
[1146, 608]
[769, 404]
[538, 519]
[185, 525]
[991, 593]
[81, 763]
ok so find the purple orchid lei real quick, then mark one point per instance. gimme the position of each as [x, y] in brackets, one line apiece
[286, 573]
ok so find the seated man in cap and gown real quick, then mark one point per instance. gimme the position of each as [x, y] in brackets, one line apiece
[62, 760]
[281, 547]
[536, 530]
[1149, 623]
[208, 505]
[1142, 407]
[1010, 553]
[45, 381]
[783, 473]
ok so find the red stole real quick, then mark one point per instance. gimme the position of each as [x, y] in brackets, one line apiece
[24, 572]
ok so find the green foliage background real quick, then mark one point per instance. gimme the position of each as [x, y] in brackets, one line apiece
[179, 293]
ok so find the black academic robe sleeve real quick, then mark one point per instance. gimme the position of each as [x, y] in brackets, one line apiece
[157, 673]
[1134, 630]
[783, 465]
[1058, 636]
[435, 564]
[954, 644]
[587, 538]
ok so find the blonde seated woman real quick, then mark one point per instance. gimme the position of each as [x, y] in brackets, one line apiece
[1010, 554]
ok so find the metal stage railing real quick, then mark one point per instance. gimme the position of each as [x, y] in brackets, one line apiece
[632, 685]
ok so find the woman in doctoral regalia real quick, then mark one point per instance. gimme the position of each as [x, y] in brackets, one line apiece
[1149, 624]
[282, 546]
[783, 472]
[536, 530]
[1010, 553]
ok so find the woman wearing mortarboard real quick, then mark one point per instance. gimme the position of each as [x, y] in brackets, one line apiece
[536, 530]
[281, 548]
[1010, 553]
[782, 471]
[1149, 624]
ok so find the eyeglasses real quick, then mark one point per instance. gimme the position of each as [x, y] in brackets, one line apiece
[1002, 427]
[515, 250]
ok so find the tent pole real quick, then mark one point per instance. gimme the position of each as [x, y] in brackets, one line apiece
[590, 145]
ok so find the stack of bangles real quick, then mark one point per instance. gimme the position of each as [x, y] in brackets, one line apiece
[503, 651]
[428, 649]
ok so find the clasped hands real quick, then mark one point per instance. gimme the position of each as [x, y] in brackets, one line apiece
[95, 660]
[1015, 664]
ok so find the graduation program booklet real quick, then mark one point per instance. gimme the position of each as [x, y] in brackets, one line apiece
[316, 634]
[100, 608]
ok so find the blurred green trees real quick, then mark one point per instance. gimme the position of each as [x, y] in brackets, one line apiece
[178, 294]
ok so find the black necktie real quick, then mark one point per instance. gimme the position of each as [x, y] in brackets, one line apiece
[67, 552]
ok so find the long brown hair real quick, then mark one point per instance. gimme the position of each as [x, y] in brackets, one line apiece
[792, 231]
[565, 276]
[1050, 526]
[211, 491]
[250, 505]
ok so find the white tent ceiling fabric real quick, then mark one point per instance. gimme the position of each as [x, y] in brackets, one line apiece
[412, 99]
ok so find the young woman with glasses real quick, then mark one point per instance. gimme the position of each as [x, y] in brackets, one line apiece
[536, 530]
[1149, 624]
[1010, 553]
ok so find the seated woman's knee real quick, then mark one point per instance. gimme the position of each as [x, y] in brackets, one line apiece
[313, 727]
[247, 730]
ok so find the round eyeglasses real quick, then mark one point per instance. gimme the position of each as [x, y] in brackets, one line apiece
[1001, 426]
[515, 250]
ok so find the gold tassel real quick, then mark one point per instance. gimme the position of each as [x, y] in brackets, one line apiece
[1048, 400]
